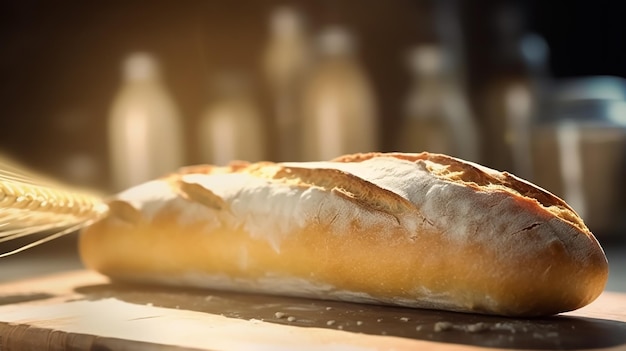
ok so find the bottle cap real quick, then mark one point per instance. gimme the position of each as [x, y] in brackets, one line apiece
[140, 65]
[426, 59]
[286, 22]
[335, 40]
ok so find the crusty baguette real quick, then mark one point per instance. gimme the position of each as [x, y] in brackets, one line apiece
[422, 230]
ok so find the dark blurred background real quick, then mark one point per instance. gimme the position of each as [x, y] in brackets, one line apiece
[539, 83]
[60, 62]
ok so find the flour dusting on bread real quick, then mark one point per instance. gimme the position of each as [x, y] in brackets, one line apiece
[420, 230]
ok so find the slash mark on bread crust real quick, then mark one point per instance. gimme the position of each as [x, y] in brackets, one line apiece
[527, 228]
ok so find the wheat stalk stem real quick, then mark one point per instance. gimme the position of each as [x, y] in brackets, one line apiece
[31, 204]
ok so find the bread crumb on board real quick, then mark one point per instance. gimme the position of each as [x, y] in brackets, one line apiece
[511, 327]
[443, 326]
[471, 328]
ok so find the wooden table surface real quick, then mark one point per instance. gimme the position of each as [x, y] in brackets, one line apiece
[82, 310]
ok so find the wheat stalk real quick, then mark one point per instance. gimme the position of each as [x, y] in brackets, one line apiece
[30, 204]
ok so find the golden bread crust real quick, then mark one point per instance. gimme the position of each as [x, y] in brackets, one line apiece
[422, 230]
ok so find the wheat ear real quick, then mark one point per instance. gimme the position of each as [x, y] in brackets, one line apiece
[31, 204]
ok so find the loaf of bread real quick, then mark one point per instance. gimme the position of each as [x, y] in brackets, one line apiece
[421, 230]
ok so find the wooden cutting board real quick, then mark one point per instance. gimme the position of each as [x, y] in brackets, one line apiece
[82, 310]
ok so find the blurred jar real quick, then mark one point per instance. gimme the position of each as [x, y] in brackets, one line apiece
[580, 150]
[339, 107]
[437, 115]
[145, 127]
[285, 63]
[231, 127]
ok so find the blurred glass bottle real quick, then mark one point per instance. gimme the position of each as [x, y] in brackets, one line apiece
[285, 63]
[509, 99]
[339, 106]
[437, 115]
[231, 126]
[145, 128]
